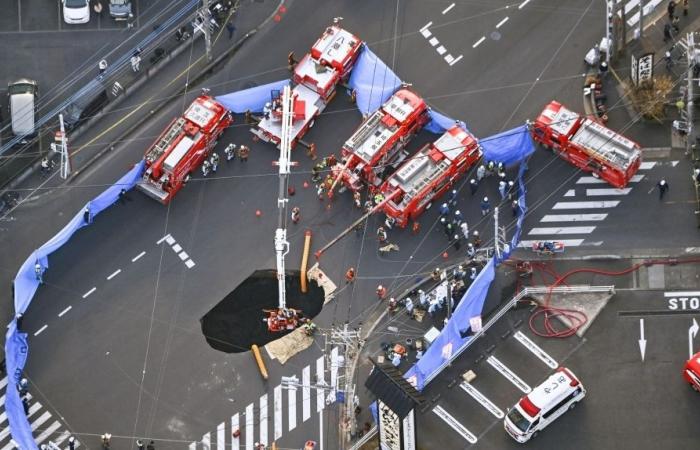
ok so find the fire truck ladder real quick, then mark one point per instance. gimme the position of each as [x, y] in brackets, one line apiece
[367, 128]
[163, 144]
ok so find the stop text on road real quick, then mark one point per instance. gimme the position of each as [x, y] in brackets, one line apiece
[681, 301]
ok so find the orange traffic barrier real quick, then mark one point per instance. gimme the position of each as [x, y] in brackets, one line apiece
[305, 261]
[259, 360]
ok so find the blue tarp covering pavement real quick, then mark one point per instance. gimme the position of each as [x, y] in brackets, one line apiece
[508, 147]
[439, 123]
[252, 99]
[373, 81]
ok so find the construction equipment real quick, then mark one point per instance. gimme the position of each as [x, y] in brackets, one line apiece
[587, 144]
[180, 150]
[429, 173]
[377, 146]
[316, 77]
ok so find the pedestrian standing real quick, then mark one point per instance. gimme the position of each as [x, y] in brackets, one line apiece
[381, 235]
[291, 61]
[357, 197]
[473, 274]
[39, 272]
[685, 7]
[381, 292]
[458, 217]
[25, 405]
[473, 185]
[668, 36]
[510, 189]
[139, 445]
[515, 205]
[243, 153]
[465, 230]
[319, 192]
[231, 28]
[663, 187]
[680, 104]
[311, 151]
[485, 206]
[135, 63]
[98, 8]
[86, 215]
[102, 67]
[477, 239]
[415, 228]
[449, 230]
[444, 209]
[71, 443]
[389, 222]
[106, 440]
[452, 200]
[502, 189]
[151, 446]
[214, 160]
[350, 275]
[471, 251]
[422, 299]
[296, 214]
[480, 172]
[18, 320]
[456, 241]
[671, 9]
[409, 307]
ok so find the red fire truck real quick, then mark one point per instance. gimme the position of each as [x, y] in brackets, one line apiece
[316, 77]
[587, 144]
[378, 143]
[429, 173]
[180, 150]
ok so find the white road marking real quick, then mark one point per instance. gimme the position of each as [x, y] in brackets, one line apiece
[566, 242]
[292, 409]
[320, 380]
[306, 394]
[426, 33]
[599, 192]
[193, 446]
[177, 248]
[508, 374]
[263, 419]
[456, 60]
[206, 441]
[137, 257]
[65, 435]
[561, 230]
[446, 10]
[646, 165]
[674, 163]
[40, 330]
[249, 421]
[32, 409]
[682, 294]
[189, 263]
[434, 41]
[3, 382]
[334, 367]
[586, 205]
[114, 274]
[477, 43]
[85, 295]
[426, 26]
[183, 256]
[48, 432]
[481, 398]
[65, 311]
[441, 50]
[593, 180]
[570, 193]
[454, 424]
[40, 421]
[235, 425]
[277, 405]
[164, 238]
[500, 24]
[449, 58]
[573, 217]
[536, 350]
[221, 436]
[522, 5]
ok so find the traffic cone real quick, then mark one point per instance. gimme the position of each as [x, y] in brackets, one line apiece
[258, 213]
[306, 184]
[445, 255]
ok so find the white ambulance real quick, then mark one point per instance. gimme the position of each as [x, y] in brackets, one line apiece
[558, 394]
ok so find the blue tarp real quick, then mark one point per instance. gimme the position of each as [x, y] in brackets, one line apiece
[439, 123]
[508, 147]
[252, 99]
[25, 286]
[373, 81]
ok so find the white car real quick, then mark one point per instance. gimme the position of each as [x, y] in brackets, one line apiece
[76, 11]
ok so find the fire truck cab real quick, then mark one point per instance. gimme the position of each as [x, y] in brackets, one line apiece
[587, 144]
[180, 150]
[316, 77]
[429, 173]
[378, 143]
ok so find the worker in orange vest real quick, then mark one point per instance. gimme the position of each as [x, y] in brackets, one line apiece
[350, 275]
[311, 151]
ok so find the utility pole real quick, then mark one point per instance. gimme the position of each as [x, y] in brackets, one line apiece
[61, 147]
[206, 25]
[692, 55]
[443, 278]
[640, 24]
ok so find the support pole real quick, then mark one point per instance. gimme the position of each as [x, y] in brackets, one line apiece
[206, 15]
[259, 360]
[65, 158]
[640, 24]
[305, 261]
[690, 56]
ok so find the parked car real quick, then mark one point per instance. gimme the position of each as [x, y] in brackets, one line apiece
[120, 9]
[83, 108]
[76, 11]
[22, 103]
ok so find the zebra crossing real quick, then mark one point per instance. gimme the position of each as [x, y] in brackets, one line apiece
[274, 413]
[582, 210]
[46, 429]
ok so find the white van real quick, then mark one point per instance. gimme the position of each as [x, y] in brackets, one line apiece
[23, 93]
[558, 394]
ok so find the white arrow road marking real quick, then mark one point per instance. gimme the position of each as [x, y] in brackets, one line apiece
[536, 350]
[692, 332]
[481, 398]
[642, 341]
[508, 374]
[454, 424]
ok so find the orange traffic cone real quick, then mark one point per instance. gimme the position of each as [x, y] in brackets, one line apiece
[445, 255]
[258, 213]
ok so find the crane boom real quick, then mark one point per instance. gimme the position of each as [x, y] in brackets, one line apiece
[281, 243]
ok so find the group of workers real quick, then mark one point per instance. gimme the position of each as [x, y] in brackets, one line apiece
[211, 164]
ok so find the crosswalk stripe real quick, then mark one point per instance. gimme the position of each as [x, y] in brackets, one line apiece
[3, 382]
[609, 191]
[263, 419]
[646, 165]
[292, 411]
[536, 350]
[541, 231]
[320, 380]
[277, 402]
[566, 242]
[63, 436]
[508, 374]
[334, 367]
[573, 217]
[481, 398]
[221, 436]
[235, 425]
[40, 421]
[454, 424]
[32, 409]
[249, 421]
[193, 446]
[593, 180]
[586, 205]
[570, 193]
[306, 393]
[48, 432]
[206, 441]
[3, 416]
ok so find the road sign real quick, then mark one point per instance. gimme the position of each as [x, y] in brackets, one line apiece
[645, 67]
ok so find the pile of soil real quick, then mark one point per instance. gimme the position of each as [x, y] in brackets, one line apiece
[236, 322]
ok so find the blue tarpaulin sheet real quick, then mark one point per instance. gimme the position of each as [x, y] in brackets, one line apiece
[508, 147]
[26, 285]
[439, 123]
[252, 99]
[373, 81]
